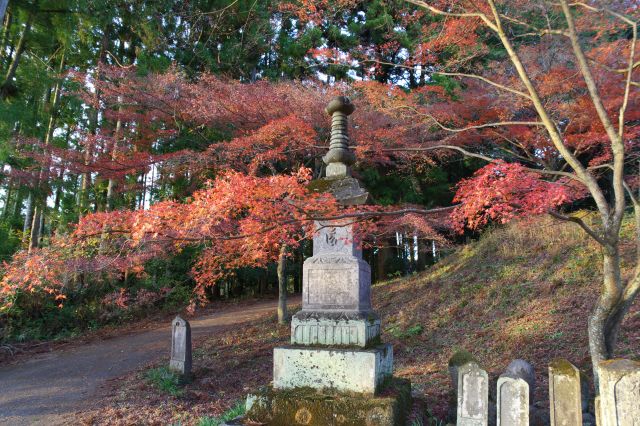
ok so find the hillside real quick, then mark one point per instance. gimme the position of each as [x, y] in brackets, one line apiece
[522, 291]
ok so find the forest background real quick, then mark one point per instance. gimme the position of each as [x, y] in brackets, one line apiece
[158, 155]
[84, 129]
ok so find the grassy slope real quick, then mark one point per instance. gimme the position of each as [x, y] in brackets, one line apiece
[522, 291]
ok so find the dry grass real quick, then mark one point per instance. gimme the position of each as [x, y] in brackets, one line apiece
[522, 291]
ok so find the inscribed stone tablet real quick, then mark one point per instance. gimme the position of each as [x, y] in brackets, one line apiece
[513, 402]
[473, 390]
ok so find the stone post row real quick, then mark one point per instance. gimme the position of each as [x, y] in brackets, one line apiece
[617, 405]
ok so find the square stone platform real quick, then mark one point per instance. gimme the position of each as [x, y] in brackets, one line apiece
[344, 370]
[305, 406]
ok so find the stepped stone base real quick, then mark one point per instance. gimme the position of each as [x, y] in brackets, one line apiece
[344, 370]
[306, 406]
[335, 329]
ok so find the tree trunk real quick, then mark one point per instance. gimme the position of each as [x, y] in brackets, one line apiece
[28, 217]
[608, 313]
[3, 8]
[34, 236]
[41, 200]
[283, 316]
[7, 199]
[114, 154]
[5, 31]
[261, 285]
[17, 205]
[83, 199]
[11, 72]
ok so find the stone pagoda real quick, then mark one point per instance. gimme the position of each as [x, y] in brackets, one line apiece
[336, 365]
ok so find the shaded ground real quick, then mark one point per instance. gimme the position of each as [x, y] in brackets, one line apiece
[50, 388]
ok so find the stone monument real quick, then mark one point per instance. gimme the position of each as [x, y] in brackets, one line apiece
[619, 392]
[565, 394]
[473, 396]
[513, 401]
[336, 364]
[180, 347]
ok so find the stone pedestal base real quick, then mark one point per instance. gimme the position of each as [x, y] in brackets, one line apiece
[343, 370]
[311, 408]
[335, 329]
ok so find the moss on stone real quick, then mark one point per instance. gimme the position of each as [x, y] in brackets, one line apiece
[562, 366]
[320, 185]
[306, 406]
[460, 358]
[376, 341]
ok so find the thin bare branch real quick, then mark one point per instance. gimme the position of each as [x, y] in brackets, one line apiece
[486, 80]
[535, 30]
[441, 12]
[481, 157]
[627, 86]
[617, 146]
[580, 223]
[632, 196]
[474, 127]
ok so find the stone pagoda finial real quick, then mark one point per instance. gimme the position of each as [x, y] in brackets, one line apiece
[339, 157]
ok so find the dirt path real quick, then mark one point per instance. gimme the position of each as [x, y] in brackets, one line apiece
[49, 388]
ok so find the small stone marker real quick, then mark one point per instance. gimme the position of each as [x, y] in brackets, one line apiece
[473, 396]
[564, 394]
[619, 392]
[180, 346]
[513, 401]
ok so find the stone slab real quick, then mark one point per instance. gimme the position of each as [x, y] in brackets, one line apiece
[619, 392]
[513, 401]
[331, 238]
[473, 396]
[181, 358]
[336, 282]
[565, 394]
[309, 407]
[338, 329]
[344, 370]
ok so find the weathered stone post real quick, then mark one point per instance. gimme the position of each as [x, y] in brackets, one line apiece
[565, 401]
[514, 389]
[335, 338]
[619, 392]
[457, 360]
[473, 396]
[180, 347]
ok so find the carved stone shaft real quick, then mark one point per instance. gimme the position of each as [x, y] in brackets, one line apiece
[339, 157]
[339, 131]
